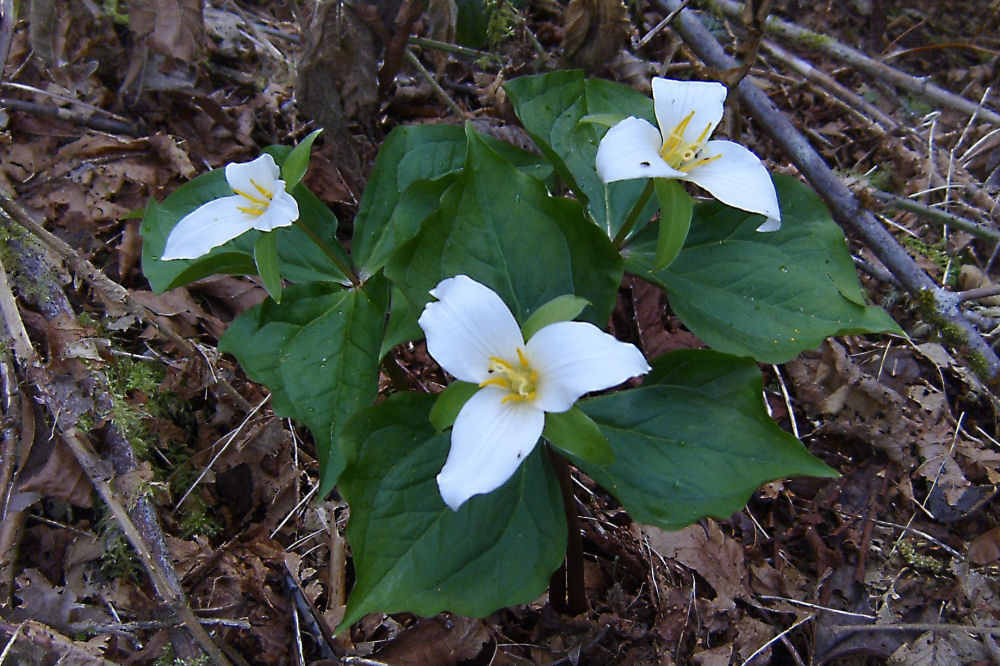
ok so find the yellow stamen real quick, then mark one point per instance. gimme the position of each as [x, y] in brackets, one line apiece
[254, 210]
[702, 161]
[520, 381]
[268, 194]
[250, 197]
[678, 153]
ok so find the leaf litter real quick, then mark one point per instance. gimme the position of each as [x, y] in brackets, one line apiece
[114, 112]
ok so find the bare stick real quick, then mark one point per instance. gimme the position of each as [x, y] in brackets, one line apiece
[920, 626]
[939, 217]
[99, 473]
[831, 47]
[939, 304]
[114, 292]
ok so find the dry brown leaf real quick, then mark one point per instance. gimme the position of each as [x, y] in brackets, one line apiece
[52, 471]
[716, 557]
[595, 32]
[445, 640]
[985, 549]
[172, 27]
[52, 605]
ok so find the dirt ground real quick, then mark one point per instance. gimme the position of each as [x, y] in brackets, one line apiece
[104, 106]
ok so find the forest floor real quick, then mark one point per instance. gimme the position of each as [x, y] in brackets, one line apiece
[897, 561]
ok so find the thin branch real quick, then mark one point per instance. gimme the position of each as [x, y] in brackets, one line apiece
[12, 211]
[100, 474]
[921, 87]
[936, 215]
[941, 305]
[438, 90]
[920, 626]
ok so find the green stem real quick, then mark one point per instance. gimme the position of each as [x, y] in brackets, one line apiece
[328, 251]
[633, 215]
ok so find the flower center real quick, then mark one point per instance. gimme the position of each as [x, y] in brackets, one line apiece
[520, 380]
[682, 155]
[256, 203]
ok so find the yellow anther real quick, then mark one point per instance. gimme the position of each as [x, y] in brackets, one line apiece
[251, 210]
[519, 381]
[252, 198]
[703, 161]
[268, 194]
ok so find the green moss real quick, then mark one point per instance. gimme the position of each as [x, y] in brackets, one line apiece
[195, 520]
[918, 561]
[814, 39]
[169, 658]
[119, 559]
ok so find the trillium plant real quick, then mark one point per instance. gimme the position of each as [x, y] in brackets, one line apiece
[505, 265]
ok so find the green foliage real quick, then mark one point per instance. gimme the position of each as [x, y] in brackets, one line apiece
[695, 440]
[196, 519]
[765, 295]
[413, 553]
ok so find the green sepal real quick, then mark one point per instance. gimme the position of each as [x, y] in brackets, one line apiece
[560, 308]
[265, 255]
[676, 208]
[450, 402]
[575, 433]
[298, 161]
[605, 119]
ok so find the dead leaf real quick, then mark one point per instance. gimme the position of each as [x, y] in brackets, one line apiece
[595, 32]
[985, 549]
[716, 557]
[446, 640]
[55, 606]
[172, 27]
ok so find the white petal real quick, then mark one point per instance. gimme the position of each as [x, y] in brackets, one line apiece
[282, 211]
[208, 226]
[489, 442]
[573, 358]
[737, 178]
[263, 171]
[674, 100]
[631, 149]
[466, 326]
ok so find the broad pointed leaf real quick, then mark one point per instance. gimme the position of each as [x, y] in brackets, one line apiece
[318, 354]
[693, 441]
[766, 295]
[557, 109]
[411, 552]
[503, 229]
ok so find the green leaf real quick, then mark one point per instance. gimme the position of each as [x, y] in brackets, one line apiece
[503, 229]
[676, 208]
[450, 402]
[604, 119]
[695, 440]
[402, 326]
[560, 308]
[299, 257]
[411, 552]
[265, 255]
[298, 160]
[318, 354]
[576, 434]
[766, 295]
[552, 107]
[414, 166]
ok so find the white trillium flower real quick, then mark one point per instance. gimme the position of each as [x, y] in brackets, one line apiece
[687, 112]
[473, 335]
[259, 202]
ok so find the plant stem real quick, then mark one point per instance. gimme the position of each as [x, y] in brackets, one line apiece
[566, 589]
[633, 215]
[328, 251]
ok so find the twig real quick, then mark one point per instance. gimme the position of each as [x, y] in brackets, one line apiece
[11, 520]
[939, 304]
[920, 626]
[659, 27]
[12, 211]
[871, 114]
[831, 47]
[54, 643]
[98, 472]
[85, 119]
[454, 49]
[438, 90]
[939, 217]
[766, 645]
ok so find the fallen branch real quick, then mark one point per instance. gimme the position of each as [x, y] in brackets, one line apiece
[921, 87]
[161, 572]
[12, 211]
[940, 217]
[939, 305]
